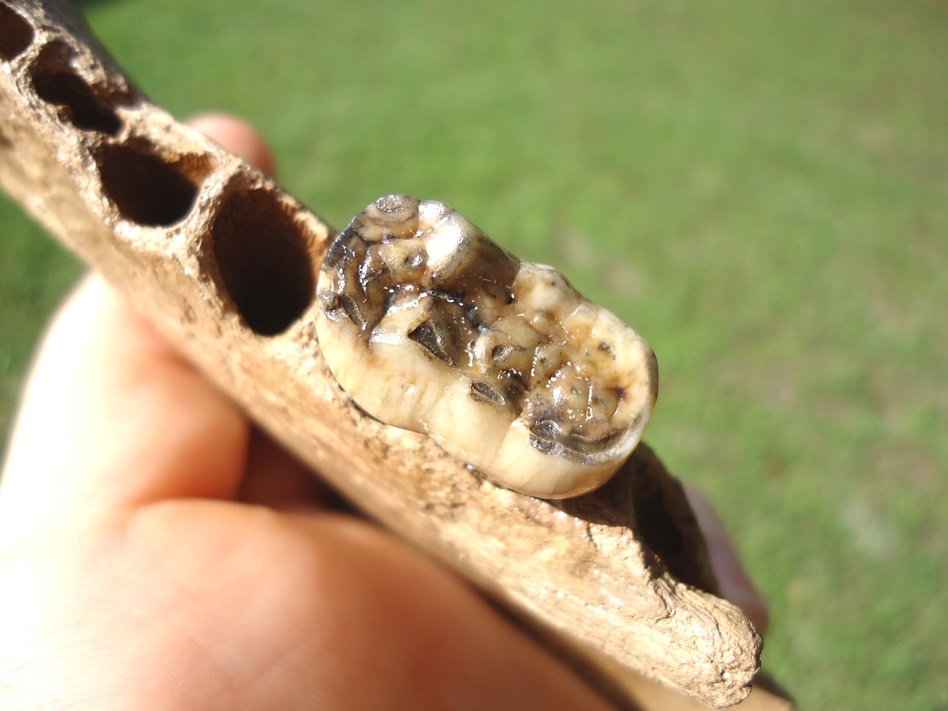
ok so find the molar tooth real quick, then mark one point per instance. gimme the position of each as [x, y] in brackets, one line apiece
[430, 326]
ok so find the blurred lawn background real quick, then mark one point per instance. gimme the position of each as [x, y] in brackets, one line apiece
[761, 189]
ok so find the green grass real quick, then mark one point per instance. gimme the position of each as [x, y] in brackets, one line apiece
[760, 188]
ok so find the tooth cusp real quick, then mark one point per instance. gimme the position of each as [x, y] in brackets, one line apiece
[430, 326]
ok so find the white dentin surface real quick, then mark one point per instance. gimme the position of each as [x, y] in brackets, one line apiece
[430, 326]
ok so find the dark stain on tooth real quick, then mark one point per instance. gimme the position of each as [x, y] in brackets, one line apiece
[482, 392]
[501, 353]
[544, 446]
[416, 260]
[339, 254]
[514, 386]
[354, 309]
[550, 437]
[434, 338]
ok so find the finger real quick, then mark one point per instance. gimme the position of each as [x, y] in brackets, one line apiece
[202, 603]
[318, 611]
[237, 137]
[392, 630]
[276, 479]
[736, 585]
[112, 416]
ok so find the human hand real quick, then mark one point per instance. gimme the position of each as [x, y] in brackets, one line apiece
[157, 552]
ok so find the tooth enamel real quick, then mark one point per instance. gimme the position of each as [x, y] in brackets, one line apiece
[430, 326]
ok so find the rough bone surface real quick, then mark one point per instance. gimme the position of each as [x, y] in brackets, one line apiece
[225, 264]
[430, 326]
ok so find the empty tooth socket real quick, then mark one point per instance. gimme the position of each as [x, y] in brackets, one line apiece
[16, 35]
[88, 108]
[264, 257]
[148, 188]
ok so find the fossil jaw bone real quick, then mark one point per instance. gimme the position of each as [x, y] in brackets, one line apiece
[430, 326]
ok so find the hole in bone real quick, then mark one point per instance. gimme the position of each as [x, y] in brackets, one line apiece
[15, 33]
[148, 189]
[264, 259]
[85, 107]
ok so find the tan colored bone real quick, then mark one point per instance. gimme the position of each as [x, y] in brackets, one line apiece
[225, 264]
